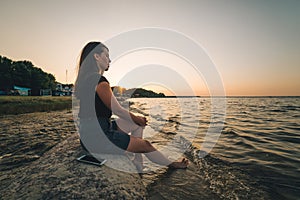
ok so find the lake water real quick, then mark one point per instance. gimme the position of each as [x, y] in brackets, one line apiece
[255, 142]
[255, 156]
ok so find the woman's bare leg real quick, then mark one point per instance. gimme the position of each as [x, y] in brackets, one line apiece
[138, 157]
[136, 131]
[138, 145]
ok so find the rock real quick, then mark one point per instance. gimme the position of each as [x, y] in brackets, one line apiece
[58, 175]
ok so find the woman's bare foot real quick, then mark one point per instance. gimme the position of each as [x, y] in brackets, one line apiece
[179, 164]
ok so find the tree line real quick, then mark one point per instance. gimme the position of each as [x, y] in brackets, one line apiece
[24, 74]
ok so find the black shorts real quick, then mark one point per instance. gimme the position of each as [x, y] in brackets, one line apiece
[118, 138]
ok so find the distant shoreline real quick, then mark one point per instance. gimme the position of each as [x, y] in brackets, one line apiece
[223, 97]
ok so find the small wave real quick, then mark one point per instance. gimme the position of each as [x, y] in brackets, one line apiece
[278, 110]
[289, 107]
[229, 131]
[296, 116]
[251, 121]
[296, 128]
[284, 136]
[244, 144]
[284, 133]
[288, 138]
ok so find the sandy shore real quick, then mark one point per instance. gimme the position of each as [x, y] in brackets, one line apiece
[26, 137]
[38, 153]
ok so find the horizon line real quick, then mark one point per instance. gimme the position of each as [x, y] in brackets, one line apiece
[227, 96]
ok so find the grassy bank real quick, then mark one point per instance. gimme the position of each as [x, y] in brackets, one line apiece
[28, 104]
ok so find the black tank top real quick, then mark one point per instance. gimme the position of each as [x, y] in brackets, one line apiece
[101, 109]
[87, 109]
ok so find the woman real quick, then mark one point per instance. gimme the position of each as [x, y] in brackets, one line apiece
[98, 101]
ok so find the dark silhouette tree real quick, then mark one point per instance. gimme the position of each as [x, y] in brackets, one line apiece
[24, 74]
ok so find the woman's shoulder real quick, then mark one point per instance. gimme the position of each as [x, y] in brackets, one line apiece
[103, 79]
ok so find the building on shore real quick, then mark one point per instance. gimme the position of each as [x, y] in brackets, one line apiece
[22, 91]
[63, 90]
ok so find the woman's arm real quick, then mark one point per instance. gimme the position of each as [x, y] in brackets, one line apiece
[104, 92]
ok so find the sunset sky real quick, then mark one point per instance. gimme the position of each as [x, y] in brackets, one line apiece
[254, 44]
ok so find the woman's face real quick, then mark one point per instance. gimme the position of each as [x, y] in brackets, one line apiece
[103, 60]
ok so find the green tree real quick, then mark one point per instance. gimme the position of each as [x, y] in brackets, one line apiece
[37, 80]
[24, 74]
[6, 81]
[21, 75]
[52, 82]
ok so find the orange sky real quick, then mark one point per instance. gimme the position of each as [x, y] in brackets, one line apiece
[255, 45]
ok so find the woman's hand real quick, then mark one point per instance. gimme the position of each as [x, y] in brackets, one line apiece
[139, 120]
